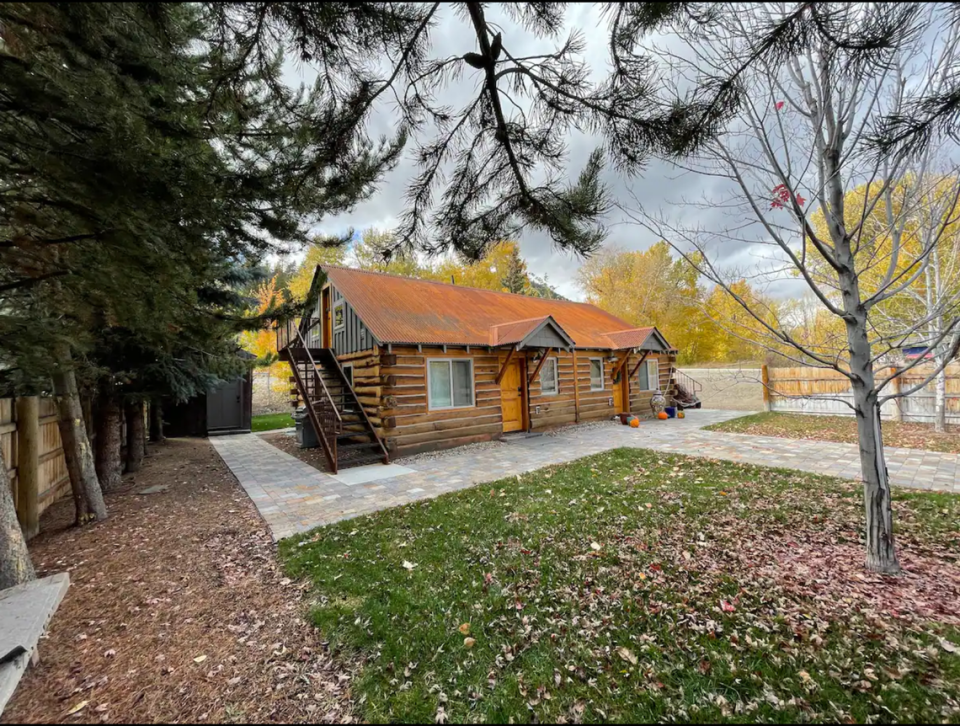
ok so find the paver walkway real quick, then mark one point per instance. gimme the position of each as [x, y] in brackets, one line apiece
[294, 497]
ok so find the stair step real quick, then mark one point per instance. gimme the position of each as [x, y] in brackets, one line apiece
[363, 445]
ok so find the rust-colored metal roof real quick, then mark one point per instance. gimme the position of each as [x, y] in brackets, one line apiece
[406, 310]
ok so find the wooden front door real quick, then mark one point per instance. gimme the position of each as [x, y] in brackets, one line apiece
[511, 397]
[326, 322]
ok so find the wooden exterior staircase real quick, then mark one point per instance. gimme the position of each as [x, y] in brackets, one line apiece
[344, 430]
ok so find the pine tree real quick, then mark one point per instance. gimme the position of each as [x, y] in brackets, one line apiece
[515, 279]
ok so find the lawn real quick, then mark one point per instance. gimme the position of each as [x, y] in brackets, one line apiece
[842, 429]
[270, 421]
[633, 586]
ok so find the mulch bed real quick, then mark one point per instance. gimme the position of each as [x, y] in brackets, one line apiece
[287, 442]
[177, 610]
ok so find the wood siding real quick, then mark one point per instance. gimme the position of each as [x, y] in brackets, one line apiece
[401, 410]
[352, 337]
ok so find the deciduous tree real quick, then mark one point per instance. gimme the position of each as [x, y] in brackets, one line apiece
[804, 137]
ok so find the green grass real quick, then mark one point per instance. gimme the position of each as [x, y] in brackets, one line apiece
[270, 421]
[595, 591]
[841, 429]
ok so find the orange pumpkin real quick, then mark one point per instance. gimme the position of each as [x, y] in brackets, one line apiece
[662, 416]
[681, 414]
[634, 422]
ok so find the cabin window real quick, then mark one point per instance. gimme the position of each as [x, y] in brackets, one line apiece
[339, 316]
[450, 383]
[650, 375]
[549, 385]
[596, 374]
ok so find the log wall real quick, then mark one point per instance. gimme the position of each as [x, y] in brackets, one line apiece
[393, 389]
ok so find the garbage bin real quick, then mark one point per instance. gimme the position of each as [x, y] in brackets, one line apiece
[306, 436]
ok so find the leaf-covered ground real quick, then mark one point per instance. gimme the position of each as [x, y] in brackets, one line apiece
[177, 611]
[633, 586]
[841, 429]
[271, 421]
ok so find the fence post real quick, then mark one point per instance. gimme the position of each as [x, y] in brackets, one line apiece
[28, 464]
[897, 413]
[765, 380]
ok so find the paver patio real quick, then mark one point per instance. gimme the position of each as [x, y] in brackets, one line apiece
[293, 497]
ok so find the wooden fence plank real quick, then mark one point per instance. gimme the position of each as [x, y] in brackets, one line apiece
[827, 392]
[53, 480]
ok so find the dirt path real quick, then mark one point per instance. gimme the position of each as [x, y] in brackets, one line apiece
[177, 610]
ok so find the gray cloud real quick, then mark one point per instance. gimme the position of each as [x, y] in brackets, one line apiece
[660, 184]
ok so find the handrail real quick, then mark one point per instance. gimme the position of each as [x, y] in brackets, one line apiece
[685, 383]
[361, 409]
[285, 334]
[316, 372]
[331, 453]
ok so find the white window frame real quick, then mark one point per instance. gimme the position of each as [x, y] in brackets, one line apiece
[473, 384]
[556, 378]
[653, 380]
[602, 374]
[333, 315]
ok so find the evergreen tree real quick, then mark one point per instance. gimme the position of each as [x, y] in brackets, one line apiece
[515, 279]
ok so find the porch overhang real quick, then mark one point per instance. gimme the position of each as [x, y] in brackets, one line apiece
[640, 340]
[542, 332]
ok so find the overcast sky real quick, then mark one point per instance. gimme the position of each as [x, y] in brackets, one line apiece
[660, 186]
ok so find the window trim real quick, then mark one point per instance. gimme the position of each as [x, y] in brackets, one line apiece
[602, 375]
[345, 366]
[473, 384]
[333, 315]
[656, 376]
[556, 377]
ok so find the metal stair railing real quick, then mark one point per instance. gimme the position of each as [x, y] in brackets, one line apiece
[321, 410]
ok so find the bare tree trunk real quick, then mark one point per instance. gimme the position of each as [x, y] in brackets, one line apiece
[940, 402]
[156, 420]
[135, 438]
[15, 565]
[881, 552]
[108, 441]
[87, 495]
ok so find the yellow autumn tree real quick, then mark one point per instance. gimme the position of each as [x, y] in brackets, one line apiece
[501, 269]
[263, 343]
[320, 252]
[733, 334]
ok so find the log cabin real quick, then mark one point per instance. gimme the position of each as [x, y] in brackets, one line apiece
[389, 366]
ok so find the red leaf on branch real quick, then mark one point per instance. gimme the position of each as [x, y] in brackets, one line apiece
[779, 105]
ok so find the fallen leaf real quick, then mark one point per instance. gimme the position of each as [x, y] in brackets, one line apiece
[468, 643]
[727, 607]
[408, 565]
[627, 655]
[595, 546]
[200, 659]
[465, 629]
[78, 708]
[947, 645]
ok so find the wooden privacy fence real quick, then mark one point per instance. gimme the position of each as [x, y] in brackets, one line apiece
[823, 391]
[30, 439]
